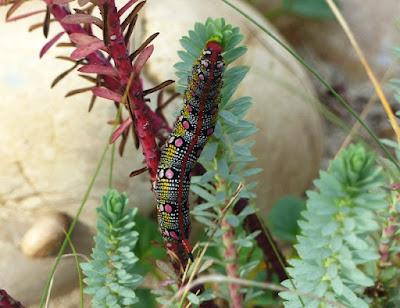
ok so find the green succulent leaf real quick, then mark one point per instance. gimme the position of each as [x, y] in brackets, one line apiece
[335, 232]
[111, 274]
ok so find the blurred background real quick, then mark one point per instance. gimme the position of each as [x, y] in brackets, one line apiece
[50, 144]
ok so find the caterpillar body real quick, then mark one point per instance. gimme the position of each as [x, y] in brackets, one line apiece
[192, 129]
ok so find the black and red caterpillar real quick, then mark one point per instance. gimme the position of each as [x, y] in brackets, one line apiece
[191, 131]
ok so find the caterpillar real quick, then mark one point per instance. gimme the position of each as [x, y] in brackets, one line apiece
[193, 127]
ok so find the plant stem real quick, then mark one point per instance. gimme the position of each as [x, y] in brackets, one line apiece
[231, 258]
[119, 53]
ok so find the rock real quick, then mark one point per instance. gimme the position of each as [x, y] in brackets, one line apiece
[324, 43]
[288, 145]
[46, 235]
[24, 277]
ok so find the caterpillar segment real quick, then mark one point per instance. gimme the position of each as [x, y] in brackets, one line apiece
[191, 131]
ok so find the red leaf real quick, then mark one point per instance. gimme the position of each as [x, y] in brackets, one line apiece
[142, 59]
[25, 15]
[119, 131]
[98, 69]
[50, 43]
[106, 93]
[83, 51]
[82, 39]
[126, 7]
[78, 18]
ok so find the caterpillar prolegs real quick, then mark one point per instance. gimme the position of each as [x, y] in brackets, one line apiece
[191, 131]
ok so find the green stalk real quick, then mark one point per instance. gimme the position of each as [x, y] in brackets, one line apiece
[110, 175]
[78, 268]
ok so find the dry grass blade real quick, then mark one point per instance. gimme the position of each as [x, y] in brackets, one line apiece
[143, 46]
[26, 15]
[78, 91]
[66, 58]
[138, 171]
[158, 87]
[126, 101]
[17, 4]
[135, 136]
[62, 75]
[65, 44]
[46, 23]
[132, 14]
[130, 29]
[122, 144]
[38, 25]
[367, 67]
[90, 79]
[6, 2]
[126, 7]
[92, 101]
[105, 24]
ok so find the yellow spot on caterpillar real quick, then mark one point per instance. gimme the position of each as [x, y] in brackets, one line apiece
[168, 222]
[185, 112]
[179, 129]
[168, 155]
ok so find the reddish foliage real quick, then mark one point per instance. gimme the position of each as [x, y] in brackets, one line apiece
[110, 59]
[6, 301]
[50, 43]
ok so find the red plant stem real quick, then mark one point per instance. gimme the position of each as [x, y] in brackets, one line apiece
[119, 53]
[231, 264]
[388, 236]
[148, 123]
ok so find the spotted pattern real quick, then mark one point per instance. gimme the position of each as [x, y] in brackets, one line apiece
[193, 127]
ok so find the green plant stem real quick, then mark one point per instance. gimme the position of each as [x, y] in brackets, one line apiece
[339, 98]
[78, 268]
[72, 226]
[110, 175]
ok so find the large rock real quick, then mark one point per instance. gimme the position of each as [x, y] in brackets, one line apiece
[288, 145]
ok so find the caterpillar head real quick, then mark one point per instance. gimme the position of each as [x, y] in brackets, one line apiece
[212, 59]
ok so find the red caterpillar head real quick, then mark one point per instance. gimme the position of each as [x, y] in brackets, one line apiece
[215, 48]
